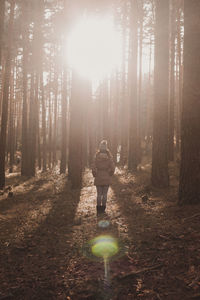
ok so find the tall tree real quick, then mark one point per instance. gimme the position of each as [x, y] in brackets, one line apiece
[11, 127]
[159, 175]
[63, 162]
[35, 70]
[105, 106]
[115, 99]
[123, 95]
[189, 188]
[44, 142]
[50, 126]
[179, 71]
[75, 163]
[172, 81]
[133, 126]
[25, 41]
[91, 131]
[141, 26]
[55, 129]
[4, 117]
[2, 15]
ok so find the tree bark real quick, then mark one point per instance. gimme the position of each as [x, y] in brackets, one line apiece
[11, 129]
[32, 129]
[63, 162]
[180, 78]
[115, 100]
[123, 93]
[75, 163]
[35, 70]
[139, 150]
[55, 129]
[133, 116]
[189, 188]
[50, 146]
[2, 17]
[4, 117]
[44, 141]
[172, 81]
[24, 158]
[159, 175]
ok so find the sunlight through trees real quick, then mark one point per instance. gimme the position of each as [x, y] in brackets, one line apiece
[72, 74]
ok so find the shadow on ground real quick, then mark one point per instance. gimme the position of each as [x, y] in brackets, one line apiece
[161, 243]
[32, 265]
[42, 243]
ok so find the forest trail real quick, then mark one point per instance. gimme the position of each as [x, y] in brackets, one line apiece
[45, 230]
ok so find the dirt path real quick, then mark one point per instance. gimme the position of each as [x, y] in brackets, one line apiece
[45, 231]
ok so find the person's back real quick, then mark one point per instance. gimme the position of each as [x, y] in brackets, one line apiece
[103, 169]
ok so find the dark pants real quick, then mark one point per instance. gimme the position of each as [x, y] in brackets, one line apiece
[102, 191]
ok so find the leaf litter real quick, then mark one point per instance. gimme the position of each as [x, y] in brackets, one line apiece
[46, 226]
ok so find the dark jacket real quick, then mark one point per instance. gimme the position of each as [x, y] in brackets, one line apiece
[103, 168]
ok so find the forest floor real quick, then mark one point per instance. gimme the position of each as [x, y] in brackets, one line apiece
[46, 231]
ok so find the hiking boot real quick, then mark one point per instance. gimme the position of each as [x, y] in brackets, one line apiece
[98, 209]
[103, 208]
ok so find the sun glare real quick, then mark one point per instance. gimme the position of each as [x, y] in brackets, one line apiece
[94, 48]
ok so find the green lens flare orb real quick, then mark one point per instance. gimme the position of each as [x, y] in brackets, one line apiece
[104, 246]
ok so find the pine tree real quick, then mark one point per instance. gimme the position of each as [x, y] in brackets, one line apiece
[159, 175]
[5, 100]
[189, 188]
[133, 112]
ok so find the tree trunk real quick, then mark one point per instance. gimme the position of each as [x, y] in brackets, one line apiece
[86, 102]
[104, 101]
[115, 116]
[33, 113]
[148, 129]
[39, 149]
[64, 124]
[4, 118]
[54, 146]
[180, 80]
[32, 129]
[2, 17]
[91, 132]
[24, 158]
[172, 81]
[189, 188]
[38, 156]
[139, 150]
[11, 129]
[159, 175]
[123, 93]
[133, 126]
[63, 161]
[50, 148]
[44, 141]
[76, 131]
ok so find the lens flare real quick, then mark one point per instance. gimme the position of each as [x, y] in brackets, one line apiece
[104, 246]
[103, 223]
